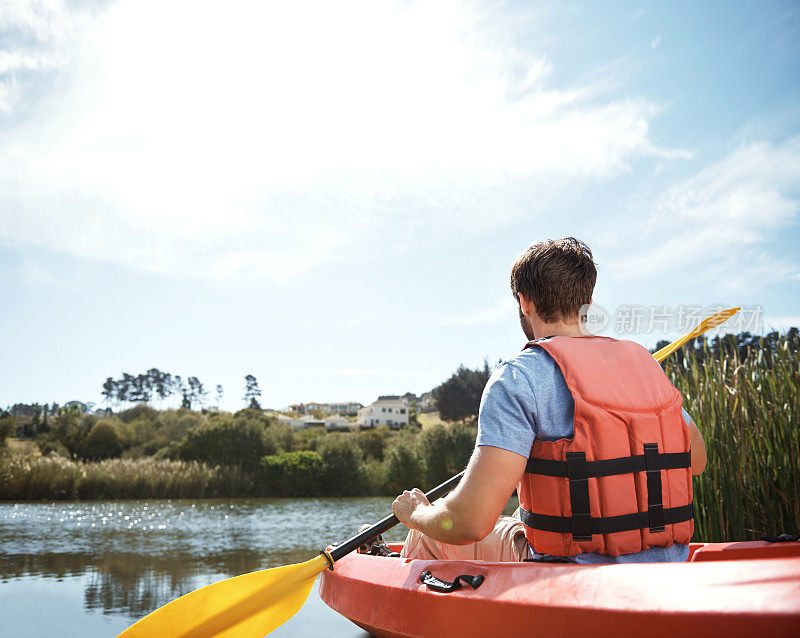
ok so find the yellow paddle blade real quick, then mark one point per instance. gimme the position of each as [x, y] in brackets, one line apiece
[706, 324]
[250, 605]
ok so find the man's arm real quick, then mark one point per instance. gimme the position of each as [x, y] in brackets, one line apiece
[470, 511]
[698, 447]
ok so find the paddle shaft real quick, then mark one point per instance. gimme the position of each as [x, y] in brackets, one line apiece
[390, 521]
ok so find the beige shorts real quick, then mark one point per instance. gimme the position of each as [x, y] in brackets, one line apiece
[505, 543]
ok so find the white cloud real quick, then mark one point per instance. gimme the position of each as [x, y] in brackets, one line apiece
[655, 42]
[186, 137]
[717, 222]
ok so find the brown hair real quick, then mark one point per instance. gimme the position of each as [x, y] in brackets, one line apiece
[558, 275]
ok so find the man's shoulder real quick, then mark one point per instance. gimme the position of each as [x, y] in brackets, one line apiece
[520, 374]
[529, 361]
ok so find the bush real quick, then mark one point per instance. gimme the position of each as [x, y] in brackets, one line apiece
[140, 411]
[70, 429]
[434, 450]
[282, 437]
[49, 445]
[372, 444]
[462, 443]
[291, 474]
[227, 441]
[8, 426]
[375, 476]
[102, 442]
[404, 469]
[342, 472]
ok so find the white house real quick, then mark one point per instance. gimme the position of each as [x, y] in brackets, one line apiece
[387, 410]
[301, 423]
[426, 402]
[337, 422]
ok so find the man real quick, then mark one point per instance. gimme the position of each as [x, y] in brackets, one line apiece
[588, 430]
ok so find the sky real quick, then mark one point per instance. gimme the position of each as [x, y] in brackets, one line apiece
[329, 196]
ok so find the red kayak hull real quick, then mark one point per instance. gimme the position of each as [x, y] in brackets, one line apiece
[726, 589]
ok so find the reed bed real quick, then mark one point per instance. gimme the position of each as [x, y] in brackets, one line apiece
[58, 478]
[746, 402]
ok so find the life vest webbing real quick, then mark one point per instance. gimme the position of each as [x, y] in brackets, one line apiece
[655, 505]
[605, 524]
[579, 496]
[578, 471]
[609, 467]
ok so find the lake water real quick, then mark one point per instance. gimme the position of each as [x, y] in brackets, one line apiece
[91, 569]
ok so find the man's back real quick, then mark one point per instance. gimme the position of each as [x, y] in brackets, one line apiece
[527, 398]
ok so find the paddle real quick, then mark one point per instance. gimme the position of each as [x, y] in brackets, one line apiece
[252, 605]
[706, 324]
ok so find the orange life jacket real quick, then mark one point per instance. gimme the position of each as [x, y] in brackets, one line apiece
[622, 483]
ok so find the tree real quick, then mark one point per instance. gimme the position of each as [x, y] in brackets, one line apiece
[32, 428]
[109, 391]
[292, 473]
[251, 392]
[453, 397]
[227, 440]
[342, 473]
[434, 450]
[124, 387]
[197, 394]
[403, 469]
[460, 396]
[102, 442]
[372, 444]
[8, 426]
[177, 385]
[164, 386]
[219, 396]
[186, 401]
[70, 429]
[45, 425]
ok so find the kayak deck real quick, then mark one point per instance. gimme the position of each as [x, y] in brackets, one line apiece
[731, 589]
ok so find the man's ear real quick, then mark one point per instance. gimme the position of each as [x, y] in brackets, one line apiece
[527, 306]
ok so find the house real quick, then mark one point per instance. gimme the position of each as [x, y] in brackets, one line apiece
[348, 408]
[337, 422]
[426, 402]
[301, 423]
[388, 410]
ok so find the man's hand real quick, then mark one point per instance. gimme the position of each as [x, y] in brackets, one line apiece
[405, 505]
[470, 511]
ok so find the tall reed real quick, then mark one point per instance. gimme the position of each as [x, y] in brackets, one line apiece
[53, 477]
[746, 403]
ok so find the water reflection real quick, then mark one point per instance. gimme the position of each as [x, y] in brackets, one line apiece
[132, 557]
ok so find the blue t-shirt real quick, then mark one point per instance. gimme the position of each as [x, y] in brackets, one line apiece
[527, 398]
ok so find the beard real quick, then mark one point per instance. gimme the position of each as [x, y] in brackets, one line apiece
[526, 326]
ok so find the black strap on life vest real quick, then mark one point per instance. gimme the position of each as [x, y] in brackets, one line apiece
[579, 496]
[655, 499]
[609, 467]
[578, 471]
[605, 524]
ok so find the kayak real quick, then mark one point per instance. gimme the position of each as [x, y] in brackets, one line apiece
[724, 589]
